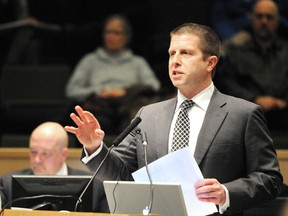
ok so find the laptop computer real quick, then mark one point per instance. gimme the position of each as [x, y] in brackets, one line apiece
[129, 197]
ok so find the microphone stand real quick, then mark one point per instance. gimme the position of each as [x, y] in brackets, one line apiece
[92, 178]
[148, 209]
[116, 142]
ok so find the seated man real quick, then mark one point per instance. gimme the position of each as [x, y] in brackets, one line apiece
[257, 68]
[48, 152]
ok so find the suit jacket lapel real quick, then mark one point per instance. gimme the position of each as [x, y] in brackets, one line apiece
[211, 124]
[166, 114]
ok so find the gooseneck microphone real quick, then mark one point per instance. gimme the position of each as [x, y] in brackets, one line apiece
[144, 138]
[116, 142]
[127, 130]
[148, 209]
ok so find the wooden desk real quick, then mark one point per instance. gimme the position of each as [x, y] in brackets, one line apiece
[13, 159]
[283, 161]
[9, 212]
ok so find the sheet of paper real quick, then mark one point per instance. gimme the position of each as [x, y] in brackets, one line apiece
[178, 167]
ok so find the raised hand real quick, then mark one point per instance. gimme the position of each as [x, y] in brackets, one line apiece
[88, 130]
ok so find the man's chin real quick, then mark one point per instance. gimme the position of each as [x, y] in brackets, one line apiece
[177, 83]
[39, 172]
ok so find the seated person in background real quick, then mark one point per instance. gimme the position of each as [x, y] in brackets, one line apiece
[48, 152]
[231, 19]
[229, 16]
[112, 82]
[257, 69]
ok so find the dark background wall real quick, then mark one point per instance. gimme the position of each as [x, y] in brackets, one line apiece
[81, 24]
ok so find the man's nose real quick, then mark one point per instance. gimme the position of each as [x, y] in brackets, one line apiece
[176, 59]
[37, 158]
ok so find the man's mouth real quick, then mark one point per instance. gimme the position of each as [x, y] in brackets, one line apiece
[177, 72]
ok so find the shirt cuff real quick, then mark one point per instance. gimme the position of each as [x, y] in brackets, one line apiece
[88, 157]
[225, 206]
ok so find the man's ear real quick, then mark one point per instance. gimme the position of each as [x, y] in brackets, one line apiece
[212, 61]
[65, 152]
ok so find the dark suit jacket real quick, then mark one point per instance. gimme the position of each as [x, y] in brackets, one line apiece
[99, 198]
[233, 146]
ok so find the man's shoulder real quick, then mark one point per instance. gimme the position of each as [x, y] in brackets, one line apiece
[73, 171]
[238, 41]
[235, 102]
[162, 103]
[90, 56]
[18, 172]
[138, 60]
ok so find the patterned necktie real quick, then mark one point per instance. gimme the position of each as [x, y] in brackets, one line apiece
[182, 127]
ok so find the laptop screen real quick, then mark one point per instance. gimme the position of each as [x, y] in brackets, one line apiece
[129, 197]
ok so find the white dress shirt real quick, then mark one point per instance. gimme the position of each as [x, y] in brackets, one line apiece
[196, 115]
[63, 170]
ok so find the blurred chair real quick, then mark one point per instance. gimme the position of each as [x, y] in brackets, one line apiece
[32, 94]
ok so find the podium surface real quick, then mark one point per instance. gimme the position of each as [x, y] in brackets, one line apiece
[9, 212]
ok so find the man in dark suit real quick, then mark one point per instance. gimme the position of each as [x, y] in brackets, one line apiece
[48, 152]
[229, 136]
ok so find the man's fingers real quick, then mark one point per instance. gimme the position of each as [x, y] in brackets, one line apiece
[81, 114]
[76, 119]
[70, 129]
[90, 118]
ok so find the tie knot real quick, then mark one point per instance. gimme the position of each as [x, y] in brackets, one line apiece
[187, 104]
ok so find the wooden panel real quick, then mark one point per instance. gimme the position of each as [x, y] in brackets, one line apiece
[283, 161]
[8, 212]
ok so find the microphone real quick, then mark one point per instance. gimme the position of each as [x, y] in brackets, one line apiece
[148, 209]
[144, 138]
[127, 130]
[116, 142]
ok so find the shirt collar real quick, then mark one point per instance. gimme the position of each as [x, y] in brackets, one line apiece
[63, 170]
[202, 99]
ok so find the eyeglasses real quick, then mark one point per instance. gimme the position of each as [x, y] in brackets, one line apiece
[267, 16]
[42, 155]
[115, 32]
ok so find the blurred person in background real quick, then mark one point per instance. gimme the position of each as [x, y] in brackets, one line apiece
[112, 82]
[257, 70]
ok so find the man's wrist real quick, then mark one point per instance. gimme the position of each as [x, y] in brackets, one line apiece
[223, 207]
[88, 156]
